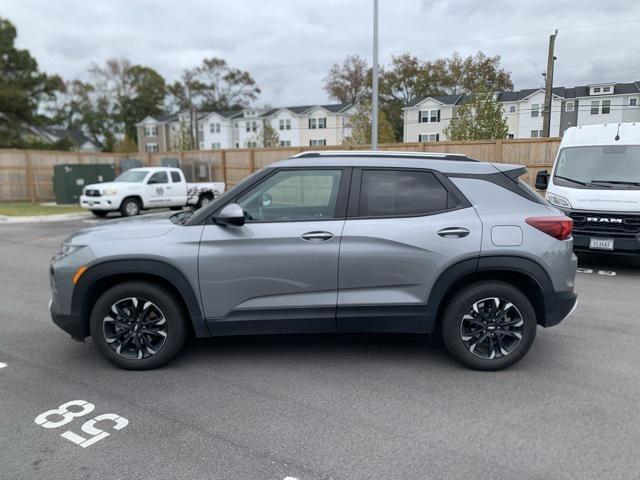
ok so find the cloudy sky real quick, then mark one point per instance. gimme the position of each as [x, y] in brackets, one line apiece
[288, 46]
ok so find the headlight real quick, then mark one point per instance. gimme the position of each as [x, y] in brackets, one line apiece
[110, 191]
[558, 201]
[68, 249]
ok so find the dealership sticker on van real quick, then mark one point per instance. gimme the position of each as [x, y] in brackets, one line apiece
[601, 243]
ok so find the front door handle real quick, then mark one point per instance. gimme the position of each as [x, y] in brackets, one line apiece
[317, 236]
[454, 232]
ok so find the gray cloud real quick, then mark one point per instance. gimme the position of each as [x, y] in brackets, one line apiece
[289, 46]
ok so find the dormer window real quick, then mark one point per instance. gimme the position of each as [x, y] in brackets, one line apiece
[596, 89]
[601, 90]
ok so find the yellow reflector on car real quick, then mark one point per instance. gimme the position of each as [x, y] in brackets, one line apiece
[78, 274]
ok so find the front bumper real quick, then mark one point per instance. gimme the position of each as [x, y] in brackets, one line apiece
[620, 245]
[559, 306]
[99, 203]
[70, 323]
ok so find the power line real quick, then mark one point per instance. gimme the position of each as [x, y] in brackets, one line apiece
[516, 35]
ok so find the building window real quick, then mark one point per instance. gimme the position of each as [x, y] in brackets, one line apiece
[536, 133]
[237, 144]
[252, 144]
[606, 107]
[215, 145]
[510, 136]
[285, 124]
[535, 109]
[312, 123]
[322, 122]
[569, 106]
[512, 109]
[151, 147]
[596, 89]
[317, 143]
[429, 137]
[151, 131]
[595, 107]
[426, 116]
[633, 101]
[201, 145]
[606, 89]
[214, 128]
[236, 125]
[248, 125]
[285, 143]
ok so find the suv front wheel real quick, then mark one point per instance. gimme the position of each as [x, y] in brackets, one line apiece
[137, 325]
[489, 325]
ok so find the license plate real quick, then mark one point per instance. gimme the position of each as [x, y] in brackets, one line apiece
[601, 243]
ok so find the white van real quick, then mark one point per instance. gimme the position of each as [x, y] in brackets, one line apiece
[596, 181]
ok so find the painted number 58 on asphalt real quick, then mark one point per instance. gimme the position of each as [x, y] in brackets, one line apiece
[67, 412]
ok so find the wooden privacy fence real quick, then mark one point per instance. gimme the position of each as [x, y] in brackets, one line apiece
[26, 175]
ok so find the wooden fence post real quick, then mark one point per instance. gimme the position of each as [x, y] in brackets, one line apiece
[252, 160]
[498, 151]
[223, 165]
[31, 187]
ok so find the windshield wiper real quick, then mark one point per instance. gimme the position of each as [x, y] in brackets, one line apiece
[573, 180]
[617, 182]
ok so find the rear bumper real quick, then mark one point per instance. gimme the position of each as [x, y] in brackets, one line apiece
[620, 245]
[558, 306]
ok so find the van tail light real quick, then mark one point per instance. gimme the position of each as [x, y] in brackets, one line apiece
[557, 227]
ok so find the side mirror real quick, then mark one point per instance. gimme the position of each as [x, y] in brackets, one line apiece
[232, 214]
[542, 180]
[266, 200]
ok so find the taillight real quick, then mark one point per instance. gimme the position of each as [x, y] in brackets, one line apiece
[557, 227]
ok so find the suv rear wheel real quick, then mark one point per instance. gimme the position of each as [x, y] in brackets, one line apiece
[138, 325]
[489, 325]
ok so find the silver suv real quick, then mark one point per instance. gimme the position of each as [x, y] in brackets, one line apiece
[329, 242]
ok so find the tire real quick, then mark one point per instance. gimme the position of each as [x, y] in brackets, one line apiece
[130, 207]
[99, 213]
[125, 338]
[483, 337]
[204, 200]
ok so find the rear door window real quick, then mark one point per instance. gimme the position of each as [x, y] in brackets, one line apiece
[175, 177]
[386, 193]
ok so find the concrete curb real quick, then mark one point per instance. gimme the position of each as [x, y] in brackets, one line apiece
[60, 217]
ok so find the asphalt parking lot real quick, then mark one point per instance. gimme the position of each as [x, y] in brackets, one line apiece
[311, 407]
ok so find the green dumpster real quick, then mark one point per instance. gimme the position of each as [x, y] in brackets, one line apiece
[69, 179]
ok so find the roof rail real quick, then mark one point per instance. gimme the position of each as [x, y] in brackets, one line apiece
[381, 153]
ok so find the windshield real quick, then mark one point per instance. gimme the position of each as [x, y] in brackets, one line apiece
[136, 176]
[609, 166]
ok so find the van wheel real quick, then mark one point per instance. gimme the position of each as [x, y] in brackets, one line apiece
[489, 325]
[130, 207]
[99, 213]
[137, 325]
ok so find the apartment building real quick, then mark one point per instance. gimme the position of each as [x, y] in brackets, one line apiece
[295, 126]
[425, 118]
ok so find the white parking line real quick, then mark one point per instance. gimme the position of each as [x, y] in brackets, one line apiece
[2, 364]
[290, 478]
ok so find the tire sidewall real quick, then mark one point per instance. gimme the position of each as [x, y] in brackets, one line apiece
[462, 303]
[123, 208]
[176, 329]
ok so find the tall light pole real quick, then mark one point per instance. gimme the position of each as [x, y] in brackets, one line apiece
[374, 81]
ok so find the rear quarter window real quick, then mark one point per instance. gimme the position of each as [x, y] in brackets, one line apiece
[400, 192]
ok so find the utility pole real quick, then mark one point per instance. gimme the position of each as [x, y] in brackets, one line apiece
[374, 81]
[548, 88]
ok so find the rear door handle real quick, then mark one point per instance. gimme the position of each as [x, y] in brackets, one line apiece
[454, 232]
[317, 236]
